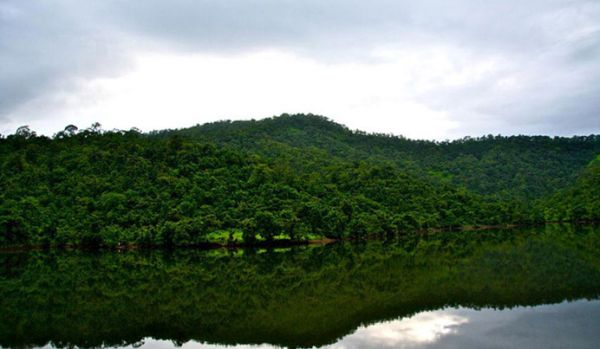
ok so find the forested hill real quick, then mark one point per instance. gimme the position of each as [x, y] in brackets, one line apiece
[286, 178]
[580, 201]
[515, 167]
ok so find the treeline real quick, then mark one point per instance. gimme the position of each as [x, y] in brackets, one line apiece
[205, 185]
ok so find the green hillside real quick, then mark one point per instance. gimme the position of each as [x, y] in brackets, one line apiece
[522, 167]
[287, 178]
[579, 202]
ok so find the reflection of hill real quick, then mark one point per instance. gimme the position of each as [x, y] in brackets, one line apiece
[298, 297]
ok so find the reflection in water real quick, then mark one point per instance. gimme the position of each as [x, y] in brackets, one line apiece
[418, 291]
[564, 325]
[426, 327]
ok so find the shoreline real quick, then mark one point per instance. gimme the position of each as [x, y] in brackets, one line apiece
[202, 246]
[278, 243]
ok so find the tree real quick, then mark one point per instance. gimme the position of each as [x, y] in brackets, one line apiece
[299, 175]
[95, 128]
[249, 230]
[25, 132]
[287, 220]
[266, 225]
[71, 130]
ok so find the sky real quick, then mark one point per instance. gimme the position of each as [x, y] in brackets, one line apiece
[422, 69]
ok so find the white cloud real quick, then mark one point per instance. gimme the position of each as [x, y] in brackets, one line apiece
[178, 90]
[425, 69]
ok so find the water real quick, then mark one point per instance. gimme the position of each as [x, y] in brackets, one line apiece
[535, 288]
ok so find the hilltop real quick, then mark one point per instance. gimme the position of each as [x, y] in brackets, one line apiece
[522, 167]
[290, 178]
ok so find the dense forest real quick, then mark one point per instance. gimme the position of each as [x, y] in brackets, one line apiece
[286, 178]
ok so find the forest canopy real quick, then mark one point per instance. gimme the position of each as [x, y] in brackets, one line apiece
[292, 177]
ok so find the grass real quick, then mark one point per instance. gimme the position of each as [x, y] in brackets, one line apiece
[225, 236]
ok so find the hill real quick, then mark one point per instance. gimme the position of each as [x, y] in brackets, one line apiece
[515, 167]
[288, 178]
[580, 201]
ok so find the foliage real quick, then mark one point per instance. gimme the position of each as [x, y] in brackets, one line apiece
[580, 202]
[515, 167]
[292, 177]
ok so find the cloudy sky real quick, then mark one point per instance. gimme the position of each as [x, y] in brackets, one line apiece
[423, 69]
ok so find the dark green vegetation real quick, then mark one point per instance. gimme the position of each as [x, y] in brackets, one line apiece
[580, 201]
[287, 178]
[301, 296]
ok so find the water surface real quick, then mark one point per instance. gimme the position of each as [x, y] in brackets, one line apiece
[518, 288]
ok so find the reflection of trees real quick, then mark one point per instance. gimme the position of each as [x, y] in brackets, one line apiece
[294, 297]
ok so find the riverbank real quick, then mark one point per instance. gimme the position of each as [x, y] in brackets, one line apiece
[284, 242]
[204, 246]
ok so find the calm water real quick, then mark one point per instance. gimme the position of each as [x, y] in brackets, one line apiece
[535, 288]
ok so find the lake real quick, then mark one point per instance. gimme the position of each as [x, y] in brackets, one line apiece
[535, 288]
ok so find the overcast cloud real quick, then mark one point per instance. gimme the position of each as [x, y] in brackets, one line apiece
[424, 69]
